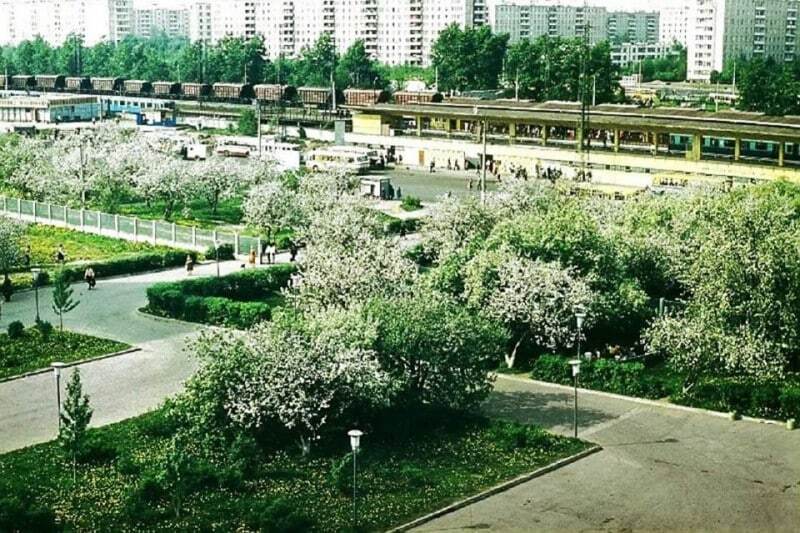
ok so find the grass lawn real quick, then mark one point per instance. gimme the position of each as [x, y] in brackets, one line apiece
[32, 352]
[229, 212]
[399, 478]
[44, 241]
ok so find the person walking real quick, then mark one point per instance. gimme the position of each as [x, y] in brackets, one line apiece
[293, 252]
[90, 278]
[252, 258]
[61, 255]
[272, 250]
[189, 265]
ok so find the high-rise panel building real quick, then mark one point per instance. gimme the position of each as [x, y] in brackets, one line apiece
[673, 22]
[535, 19]
[158, 20]
[55, 20]
[200, 21]
[722, 31]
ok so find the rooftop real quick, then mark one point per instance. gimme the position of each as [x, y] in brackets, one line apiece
[42, 101]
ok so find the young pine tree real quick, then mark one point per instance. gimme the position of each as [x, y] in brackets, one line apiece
[75, 417]
[62, 298]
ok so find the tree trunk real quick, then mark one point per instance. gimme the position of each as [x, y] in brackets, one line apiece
[512, 357]
[305, 446]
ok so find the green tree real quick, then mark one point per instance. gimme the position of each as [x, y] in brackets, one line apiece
[70, 56]
[75, 417]
[247, 123]
[317, 63]
[768, 87]
[357, 69]
[469, 59]
[10, 252]
[436, 351]
[62, 297]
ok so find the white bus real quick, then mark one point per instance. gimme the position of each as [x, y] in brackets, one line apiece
[287, 156]
[327, 159]
[372, 154]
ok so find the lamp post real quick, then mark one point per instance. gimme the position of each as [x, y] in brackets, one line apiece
[216, 250]
[57, 368]
[580, 317]
[36, 272]
[355, 443]
[576, 369]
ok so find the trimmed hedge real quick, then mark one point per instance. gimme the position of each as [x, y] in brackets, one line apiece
[748, 397]
[629, 379]
[118, 266]
[237, 300]
[764, 399]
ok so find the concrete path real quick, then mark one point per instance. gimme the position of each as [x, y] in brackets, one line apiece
[661, 470]
[119, 387]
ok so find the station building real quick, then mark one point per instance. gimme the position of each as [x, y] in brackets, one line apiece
[48, 108]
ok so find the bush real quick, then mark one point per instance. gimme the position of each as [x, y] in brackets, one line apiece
[627, 378]
[411, 203]
[749, 397]
[21, 513]
[141, 502]
[278, 516]
[130, 264]
[226, 252]
[234, 301]
[97, 452]
[45, 329]
[16, 330]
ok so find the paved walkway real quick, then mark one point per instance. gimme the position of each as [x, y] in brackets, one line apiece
[119, 387]
[660, 470]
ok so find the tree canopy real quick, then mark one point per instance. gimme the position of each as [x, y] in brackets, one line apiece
[470, 58]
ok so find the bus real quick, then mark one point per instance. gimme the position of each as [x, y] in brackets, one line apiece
[327, 159]
[287, 156]
[372, 154]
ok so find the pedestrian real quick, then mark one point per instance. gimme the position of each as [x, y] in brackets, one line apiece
[26, 258]
[271, 252]
[61, 255]
[449, 165]
[189, 265]
[399, 193]
[433, 165]
[252, 257]
[293, 252]
[90, 278]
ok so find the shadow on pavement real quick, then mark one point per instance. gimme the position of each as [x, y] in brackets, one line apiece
[546, 410]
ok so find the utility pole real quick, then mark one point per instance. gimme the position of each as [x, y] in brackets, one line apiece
[516, 86]
[258, 119]
[584, 144]
[483, 162]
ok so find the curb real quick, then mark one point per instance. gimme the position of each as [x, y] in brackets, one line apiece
[198, 325]
[503, 487]
[70, 365]
[641, 401]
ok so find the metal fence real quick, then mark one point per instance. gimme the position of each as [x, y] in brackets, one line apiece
[125, 227]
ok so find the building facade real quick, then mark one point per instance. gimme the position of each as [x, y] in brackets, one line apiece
[630, 53]
[722, 31]
[673, 22]
[55, 20]
[157, 20]
[531, 20]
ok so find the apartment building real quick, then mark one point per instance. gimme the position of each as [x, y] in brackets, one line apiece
[631, 53]
[55, 20]
[532, 20]
[721, 31]
[200, 21]
[157, 20]
[673, 22]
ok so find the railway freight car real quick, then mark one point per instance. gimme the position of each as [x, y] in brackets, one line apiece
[365, 97]
[233, 91]
[46, 82]
[417, 97]
[319, 97]
[107, 85]
[137, 87]
[23, 82]
[166, 88]
[196, 90]
[275, 93]
[78, 84]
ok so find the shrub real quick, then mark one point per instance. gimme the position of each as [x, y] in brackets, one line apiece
[553, 369]
[141, 502]
[226, 252]
[515, 436]
[16, 330]
[45, 329]
[22, 513]
[97, 452]
[790, 402]
[411, 203]
[414, 477]
[278, 516]
[128, 264]
[231, 301]
[158, 424]
[764, 399]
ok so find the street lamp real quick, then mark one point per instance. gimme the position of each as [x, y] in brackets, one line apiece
[580, 317]
[36, 272]
[216, 249]
[57, 368]
[576, 369]
[355, 443]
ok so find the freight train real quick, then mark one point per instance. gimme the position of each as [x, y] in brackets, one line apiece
[315, 97]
